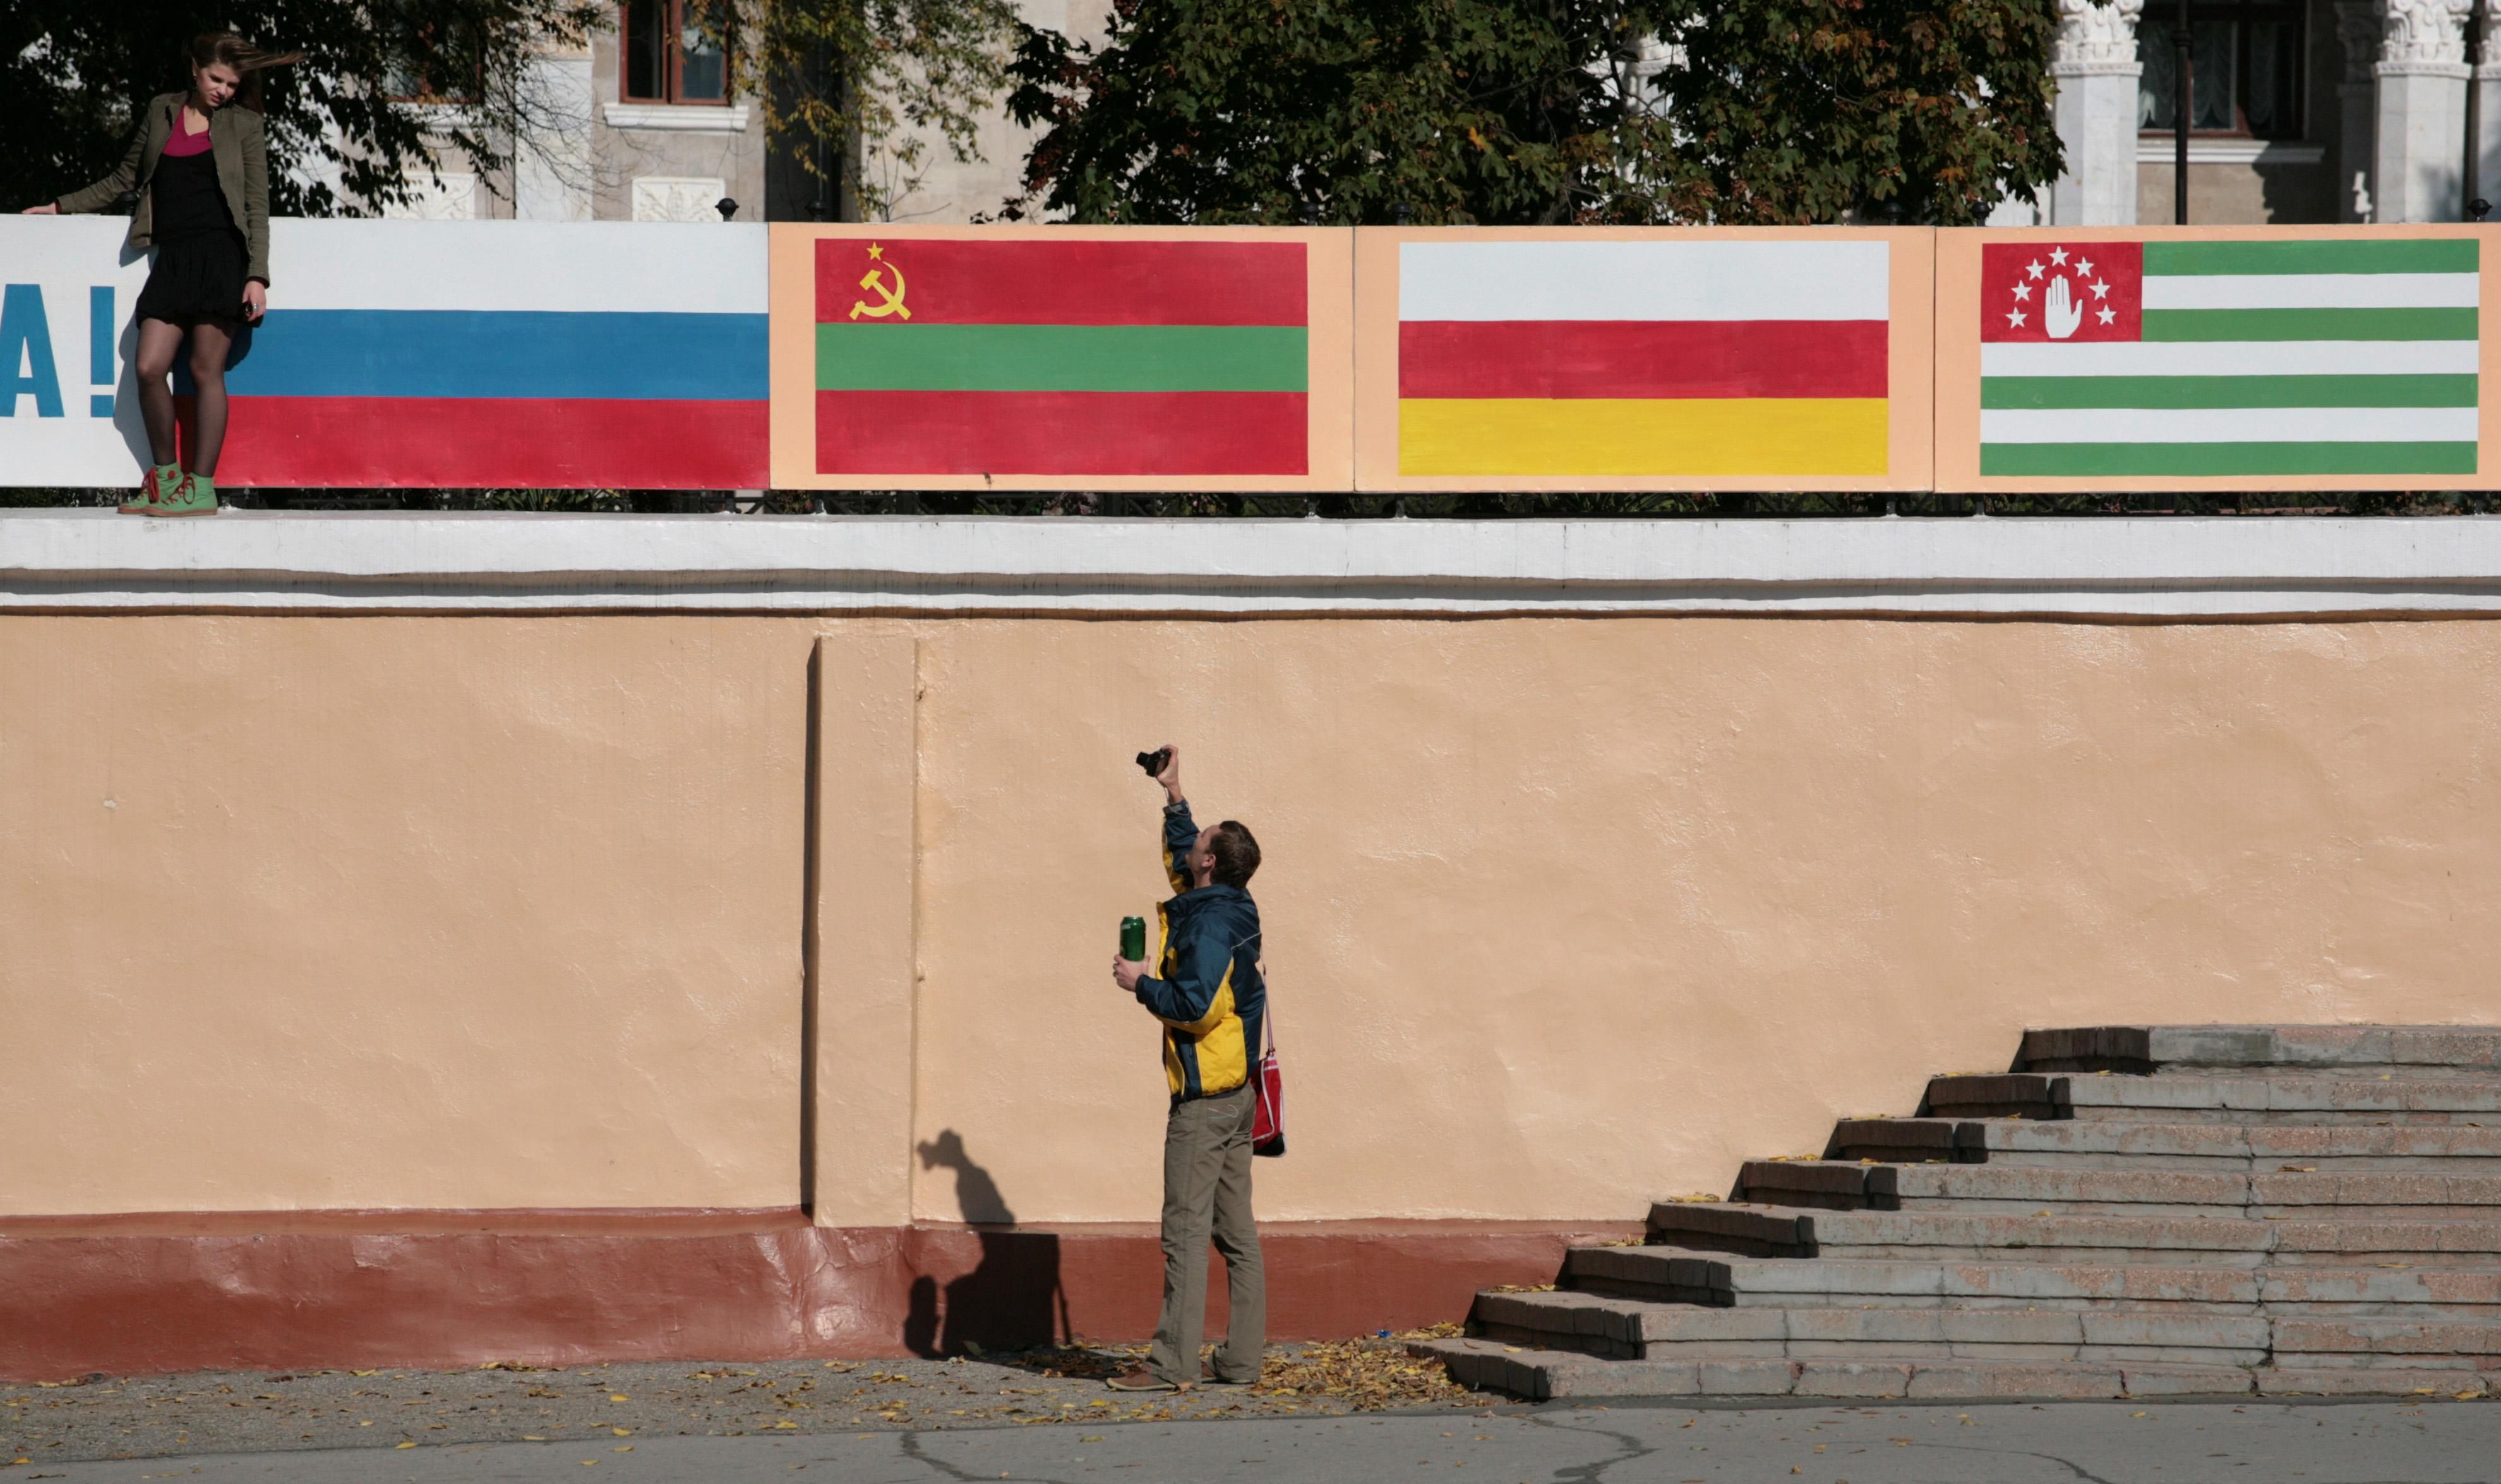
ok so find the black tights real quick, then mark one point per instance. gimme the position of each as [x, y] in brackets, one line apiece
[159, 342]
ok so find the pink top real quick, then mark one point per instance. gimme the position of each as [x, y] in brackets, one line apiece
[182, 141]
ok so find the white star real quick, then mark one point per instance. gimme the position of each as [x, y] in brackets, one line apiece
[2033, 268]
[2105, 314]
[2058, 256]
[2023, 291]
[2014, 317]
[2101, 290]
[2084, 266]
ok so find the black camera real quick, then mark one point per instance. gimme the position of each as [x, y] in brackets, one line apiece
[1153, 762]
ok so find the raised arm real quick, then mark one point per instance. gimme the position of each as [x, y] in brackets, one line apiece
[1181, 832]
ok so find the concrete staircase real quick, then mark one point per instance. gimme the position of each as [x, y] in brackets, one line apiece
[2133, 1211]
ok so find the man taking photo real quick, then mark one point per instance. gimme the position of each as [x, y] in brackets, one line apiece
[1205, 987]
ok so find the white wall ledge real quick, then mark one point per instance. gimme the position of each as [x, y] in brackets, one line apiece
[2102, 568]
[676, 117]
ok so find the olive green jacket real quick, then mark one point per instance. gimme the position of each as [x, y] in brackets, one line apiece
[237, 140]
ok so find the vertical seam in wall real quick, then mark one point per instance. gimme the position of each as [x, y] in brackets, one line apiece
[912, 989]
[812, 832]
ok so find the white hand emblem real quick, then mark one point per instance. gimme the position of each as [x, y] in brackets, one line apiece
[2061, 314]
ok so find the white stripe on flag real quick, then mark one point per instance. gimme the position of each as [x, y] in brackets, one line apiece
[2230, 425]
[2311, 291]
[2231, 358]
[1740, 279]
[651, 267]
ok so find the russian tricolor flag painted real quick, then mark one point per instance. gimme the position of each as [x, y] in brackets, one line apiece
[506, 354]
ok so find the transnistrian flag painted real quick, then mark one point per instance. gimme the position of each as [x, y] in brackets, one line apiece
[2223, 358]
[1039, 357]
[1643, 358]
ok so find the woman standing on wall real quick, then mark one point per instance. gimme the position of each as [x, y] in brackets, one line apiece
[200, 164]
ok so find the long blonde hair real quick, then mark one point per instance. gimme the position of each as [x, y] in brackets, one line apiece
[210, 47]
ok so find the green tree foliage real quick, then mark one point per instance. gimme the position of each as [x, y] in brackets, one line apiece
[1540, 111]
[883, 82]
[73, 73]
[876, 84]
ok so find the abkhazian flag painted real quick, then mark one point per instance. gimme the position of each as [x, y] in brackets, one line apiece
[2228, 358]
[1077, 357]
[1644, 358]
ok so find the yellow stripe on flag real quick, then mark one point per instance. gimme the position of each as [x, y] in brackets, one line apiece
[1698, 436]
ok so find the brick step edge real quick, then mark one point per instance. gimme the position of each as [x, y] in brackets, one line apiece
[1543, 1375]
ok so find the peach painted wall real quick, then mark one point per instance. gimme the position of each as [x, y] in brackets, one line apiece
[1563, 914]
[338, 912]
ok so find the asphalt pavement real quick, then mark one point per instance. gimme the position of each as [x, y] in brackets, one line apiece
[2429, 1443]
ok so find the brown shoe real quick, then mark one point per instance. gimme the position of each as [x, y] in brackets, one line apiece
[1207, 1377]
[1140, 1379]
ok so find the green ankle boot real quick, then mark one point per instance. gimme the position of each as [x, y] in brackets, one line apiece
[196, 495]
[158, 483]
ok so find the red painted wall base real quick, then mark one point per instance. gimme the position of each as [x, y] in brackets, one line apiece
[127, 1295]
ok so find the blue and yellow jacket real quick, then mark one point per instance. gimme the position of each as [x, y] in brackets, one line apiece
[1207, 989]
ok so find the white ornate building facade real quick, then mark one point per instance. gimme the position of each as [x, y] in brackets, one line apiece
[2301, 111]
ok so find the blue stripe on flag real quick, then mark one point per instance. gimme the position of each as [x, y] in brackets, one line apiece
[513, 354]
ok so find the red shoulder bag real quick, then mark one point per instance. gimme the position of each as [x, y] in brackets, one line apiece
[1268, 1085]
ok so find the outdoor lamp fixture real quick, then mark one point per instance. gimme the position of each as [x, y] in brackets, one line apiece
[2180, 103]
[726, 205]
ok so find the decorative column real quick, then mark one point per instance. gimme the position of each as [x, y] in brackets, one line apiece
[2358, 32]
[2487, 104]
[2421, 76]
[2096, 68]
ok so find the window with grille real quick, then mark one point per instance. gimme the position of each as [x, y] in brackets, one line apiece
[2244, 69]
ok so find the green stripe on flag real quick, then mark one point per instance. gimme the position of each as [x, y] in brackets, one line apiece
[1058, 357]
[2102, 460]
[2310, 324]
[2418, 254]
[2052, 392]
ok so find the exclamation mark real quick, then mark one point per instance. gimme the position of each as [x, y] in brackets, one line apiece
[99, 350]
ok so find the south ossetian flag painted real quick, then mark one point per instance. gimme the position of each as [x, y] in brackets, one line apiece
[1040, 357]
[2228, 358]
[1643, 358]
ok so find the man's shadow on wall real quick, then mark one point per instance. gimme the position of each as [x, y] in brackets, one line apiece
[1012, 1298]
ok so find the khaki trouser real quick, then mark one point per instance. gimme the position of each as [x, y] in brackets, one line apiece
[1207, 1193]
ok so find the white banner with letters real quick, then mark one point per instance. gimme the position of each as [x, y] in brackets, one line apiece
[68, 411]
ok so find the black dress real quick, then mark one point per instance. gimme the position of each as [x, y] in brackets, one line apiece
[200, 263]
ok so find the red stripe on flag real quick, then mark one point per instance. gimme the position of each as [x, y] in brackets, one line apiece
[1642, 358]
[465, 442]
[1063, 432]
[1063, 283]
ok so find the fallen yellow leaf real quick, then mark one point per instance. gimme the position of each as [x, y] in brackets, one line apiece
[617, 1396]
[622, 1432]
[622, 1448]
[786, 1426]
[405, 1445]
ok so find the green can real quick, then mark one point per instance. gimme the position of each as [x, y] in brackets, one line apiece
[1133, 938]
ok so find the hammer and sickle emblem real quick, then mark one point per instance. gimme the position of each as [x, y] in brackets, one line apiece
[892, 299]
